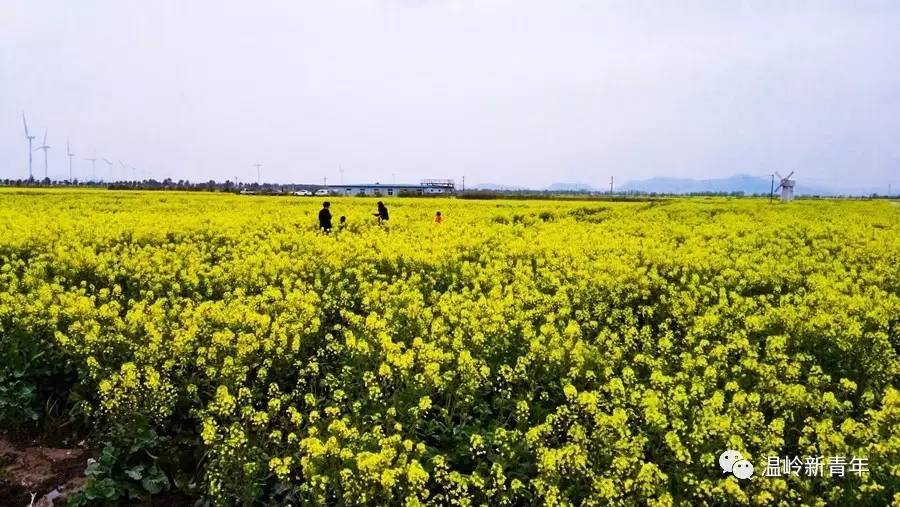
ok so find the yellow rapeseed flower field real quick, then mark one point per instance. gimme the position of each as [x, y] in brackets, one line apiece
[519, 353]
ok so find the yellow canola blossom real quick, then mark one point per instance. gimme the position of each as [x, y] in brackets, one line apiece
[522, 353]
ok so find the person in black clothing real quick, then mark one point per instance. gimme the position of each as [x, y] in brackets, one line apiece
[382, 212]
[325, 217]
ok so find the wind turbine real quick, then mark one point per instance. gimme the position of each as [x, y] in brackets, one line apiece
[257, 166]
[93, 168]
[70, 155]
[30, 138]
[44, 147]
[110, 164]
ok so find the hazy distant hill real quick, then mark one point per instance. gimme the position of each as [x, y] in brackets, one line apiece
[554, 187]
[497, 187]
[739, 183]
[747, 184]
[570, 187]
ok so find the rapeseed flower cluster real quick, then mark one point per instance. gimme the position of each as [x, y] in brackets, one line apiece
[554, 353]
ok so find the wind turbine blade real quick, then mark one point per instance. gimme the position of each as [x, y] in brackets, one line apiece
[45, 137]
[789, 175]
[25, 123]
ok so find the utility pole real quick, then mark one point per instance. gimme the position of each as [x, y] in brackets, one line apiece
[464, 183]
[772, 188]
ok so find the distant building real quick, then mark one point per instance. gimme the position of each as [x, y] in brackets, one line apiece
[426, 187]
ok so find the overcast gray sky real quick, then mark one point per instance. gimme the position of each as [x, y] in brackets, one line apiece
[518, 92]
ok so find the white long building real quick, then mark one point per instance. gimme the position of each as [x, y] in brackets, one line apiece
[426, 187]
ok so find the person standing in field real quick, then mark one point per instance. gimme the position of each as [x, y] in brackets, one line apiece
[325, 217]
[382, 212]
[438, 218]
[342, 223]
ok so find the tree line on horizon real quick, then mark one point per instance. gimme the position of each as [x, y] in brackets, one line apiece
[282, 188]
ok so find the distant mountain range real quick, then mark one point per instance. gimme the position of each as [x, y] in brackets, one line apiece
[570, 187]
[555, 187]
[739, 183]
[497, 187]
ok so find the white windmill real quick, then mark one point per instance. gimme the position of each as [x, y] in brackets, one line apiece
[30, 138]
[70, 155]
[93, 168]
[110, 164]
[786, 186]
[46, 148]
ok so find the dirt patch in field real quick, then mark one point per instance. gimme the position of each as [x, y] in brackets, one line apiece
[27, 467]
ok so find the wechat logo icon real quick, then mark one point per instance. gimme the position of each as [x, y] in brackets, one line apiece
[733, 462]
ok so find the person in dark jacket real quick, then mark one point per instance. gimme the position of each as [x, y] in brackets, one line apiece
[325, 217]
[382, 212]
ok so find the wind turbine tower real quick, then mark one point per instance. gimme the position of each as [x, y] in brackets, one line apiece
[30, 138]
[93, 168]
[257, 166]
[110, 164]
[70, 155]
[44, 147]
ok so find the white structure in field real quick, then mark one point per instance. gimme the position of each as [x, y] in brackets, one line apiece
[787, 187]
[30, 138]
[45, 147]
[426, 187]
